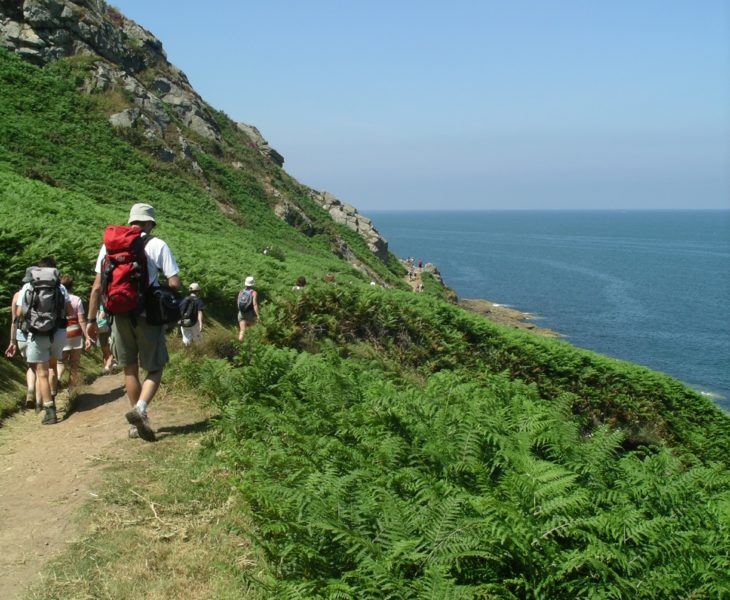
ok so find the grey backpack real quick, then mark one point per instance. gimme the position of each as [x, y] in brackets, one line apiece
[45, 304]
[245, 299]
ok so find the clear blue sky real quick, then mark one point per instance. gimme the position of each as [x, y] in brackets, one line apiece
[486, 104]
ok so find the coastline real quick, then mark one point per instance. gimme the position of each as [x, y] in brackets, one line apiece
[504, 315]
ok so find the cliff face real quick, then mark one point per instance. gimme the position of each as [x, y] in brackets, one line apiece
[150, 96]
[348, 215]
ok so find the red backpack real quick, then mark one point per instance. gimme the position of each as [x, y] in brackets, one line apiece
[124, 277]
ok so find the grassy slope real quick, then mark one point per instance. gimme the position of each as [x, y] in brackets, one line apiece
[64, 175]
[388, 403]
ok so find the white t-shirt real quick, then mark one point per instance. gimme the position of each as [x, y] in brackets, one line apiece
[159, 259]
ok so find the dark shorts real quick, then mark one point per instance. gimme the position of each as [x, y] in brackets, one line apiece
[104, 338]
[248, 315]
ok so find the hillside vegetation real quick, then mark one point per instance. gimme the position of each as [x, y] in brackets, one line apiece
[384, 444]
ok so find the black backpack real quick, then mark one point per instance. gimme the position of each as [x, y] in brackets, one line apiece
[245, 299]
[45, 303]
[188, 311]
[162, 304]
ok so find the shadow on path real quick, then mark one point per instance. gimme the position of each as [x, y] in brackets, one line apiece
[198, 427]
[89, 401]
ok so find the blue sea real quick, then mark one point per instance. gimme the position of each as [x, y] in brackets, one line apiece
[650, 287]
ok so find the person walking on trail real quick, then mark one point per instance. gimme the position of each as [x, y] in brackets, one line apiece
[128, 265]
[248, 307]
[103, 328]
[44, 305]
[75, 338]
[191, 316]
[18, 344]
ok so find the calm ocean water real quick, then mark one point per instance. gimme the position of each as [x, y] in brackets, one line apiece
[651, 287]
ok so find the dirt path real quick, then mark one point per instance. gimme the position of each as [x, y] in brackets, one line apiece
[415, 281]
[47, 472]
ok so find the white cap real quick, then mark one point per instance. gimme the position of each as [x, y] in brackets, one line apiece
[141, 212]
[194, 287]
[250, 281]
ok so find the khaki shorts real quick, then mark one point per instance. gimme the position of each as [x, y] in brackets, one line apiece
[138, 343]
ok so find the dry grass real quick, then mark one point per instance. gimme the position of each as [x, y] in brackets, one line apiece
[166, 525]
[112, 101]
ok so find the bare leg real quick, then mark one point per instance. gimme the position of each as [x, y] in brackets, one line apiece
[31, 395]
[41, 382]
[241, 330]
[74, 360]
[42, 376]
[107, 357]
[53, 374]
[139, 397]
[150, 386]
[30, 379]
[131, 383]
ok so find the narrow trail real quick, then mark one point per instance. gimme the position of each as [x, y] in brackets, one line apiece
[48, 472]
[416, 281]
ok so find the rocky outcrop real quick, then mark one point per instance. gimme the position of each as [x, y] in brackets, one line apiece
[504, 315]
[294, 216]
[433, 270]
[129, 59]
[260, 143]
[45, 30]
[150, 96]
[347, 215]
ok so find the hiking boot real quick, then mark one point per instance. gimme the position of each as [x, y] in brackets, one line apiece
[142, 423]
[30, 399]
[38, 406]
[133, 432]
[50, 417]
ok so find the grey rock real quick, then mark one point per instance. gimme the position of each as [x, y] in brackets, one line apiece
[295, 217]
[29, 37]
[431, 268]
[165, 154]
[127, 118]
[346, 214]
[261, 144]
[202, 127]
[10, 32]
[67, 13]
[42, 13]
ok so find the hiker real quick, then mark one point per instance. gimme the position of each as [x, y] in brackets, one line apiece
[18, 343]
[135, 341]
[300, 283]
[44, 305]
[191, 316]
[103, 327]
[75, 338]
[248, 307]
